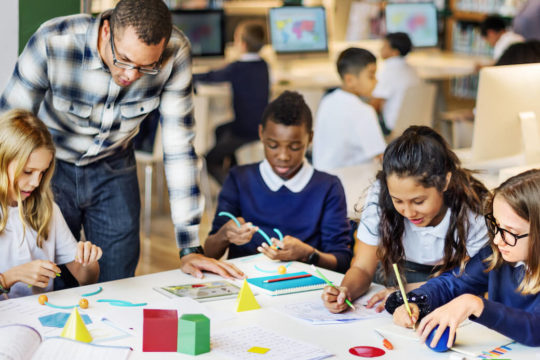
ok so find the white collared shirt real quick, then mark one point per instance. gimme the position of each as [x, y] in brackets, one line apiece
[296, 184]
[504, 42]
[249, 57]
[422, 245]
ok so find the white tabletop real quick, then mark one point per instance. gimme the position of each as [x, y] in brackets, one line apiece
[336, 339]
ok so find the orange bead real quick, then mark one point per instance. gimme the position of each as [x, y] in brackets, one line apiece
[83, 303]
[42, 299]
[281, 269]
[274, 247]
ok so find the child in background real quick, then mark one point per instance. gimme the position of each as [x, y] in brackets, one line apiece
[393, 80]
[34, 238]
[494, 30]
[423, 213]
[508, 270]
[284, 192]
[347, 132]
[250, 90]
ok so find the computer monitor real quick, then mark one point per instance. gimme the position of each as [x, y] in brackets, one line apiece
[297, 29]
[503, 93]
[204, 29]
[418, 20]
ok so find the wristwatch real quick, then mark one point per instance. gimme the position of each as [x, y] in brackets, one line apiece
[314, 257]
[191, 250]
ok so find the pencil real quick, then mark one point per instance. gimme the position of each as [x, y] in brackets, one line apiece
[332, 285]
[387, 344]
[287, 278]
[402, 289]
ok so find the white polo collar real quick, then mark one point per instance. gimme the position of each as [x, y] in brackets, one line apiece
[296, 184]
[250, 57]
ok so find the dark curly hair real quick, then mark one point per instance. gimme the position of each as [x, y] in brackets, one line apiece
[150, 18]
[288, 109]
[423, 154]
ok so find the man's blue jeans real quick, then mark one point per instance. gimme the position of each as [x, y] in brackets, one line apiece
[103, 199]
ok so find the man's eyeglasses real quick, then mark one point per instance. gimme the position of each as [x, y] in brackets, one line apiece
[508, 237]
[123, 65]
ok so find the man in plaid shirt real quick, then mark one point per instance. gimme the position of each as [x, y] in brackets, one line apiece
[92, 81]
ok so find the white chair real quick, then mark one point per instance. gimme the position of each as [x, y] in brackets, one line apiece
[416, 108]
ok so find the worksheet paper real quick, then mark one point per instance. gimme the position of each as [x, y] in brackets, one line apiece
[314, 312]
[235, 343]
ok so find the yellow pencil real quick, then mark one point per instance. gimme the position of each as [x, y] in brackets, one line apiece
[402, 289]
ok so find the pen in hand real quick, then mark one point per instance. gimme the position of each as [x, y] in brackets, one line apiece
[332, 285]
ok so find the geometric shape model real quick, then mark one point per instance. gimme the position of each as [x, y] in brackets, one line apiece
[59, 319]
[75, 328]
[160, 330]
[246, 300]
[193, 334]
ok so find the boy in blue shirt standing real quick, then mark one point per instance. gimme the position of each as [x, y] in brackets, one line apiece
[250, 87]
[285, 192]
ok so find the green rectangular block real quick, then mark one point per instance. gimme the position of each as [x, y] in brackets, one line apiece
[193, 334]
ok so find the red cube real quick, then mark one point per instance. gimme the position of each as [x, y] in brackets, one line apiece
[160, 330]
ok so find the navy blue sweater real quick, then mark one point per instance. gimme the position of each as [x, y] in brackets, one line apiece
[507, 311]
[317, 215]
[250, 87]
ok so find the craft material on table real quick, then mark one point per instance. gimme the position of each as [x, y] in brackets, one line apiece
[208, 291]
[59, 319]
[238, 343]
[287, 278]
[366, 351]
[289, 286]
[387, 344]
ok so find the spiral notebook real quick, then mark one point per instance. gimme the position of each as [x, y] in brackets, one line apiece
[287, 286]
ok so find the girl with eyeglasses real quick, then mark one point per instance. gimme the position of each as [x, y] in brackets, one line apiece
[509, 270]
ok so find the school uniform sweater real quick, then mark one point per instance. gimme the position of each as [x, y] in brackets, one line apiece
[506, 310]
[316, 214]
[250, 87]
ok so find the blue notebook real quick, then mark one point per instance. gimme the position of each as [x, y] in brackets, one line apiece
[287, 286]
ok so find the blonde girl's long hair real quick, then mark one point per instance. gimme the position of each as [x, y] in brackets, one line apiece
[522, 193]
[21, 133]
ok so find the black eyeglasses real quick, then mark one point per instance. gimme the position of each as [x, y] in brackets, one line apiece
[123, 65]
[508, 237]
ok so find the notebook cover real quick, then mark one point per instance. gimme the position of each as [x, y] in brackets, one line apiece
[287, 286]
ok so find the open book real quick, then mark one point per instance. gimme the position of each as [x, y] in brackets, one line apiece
[21, 342]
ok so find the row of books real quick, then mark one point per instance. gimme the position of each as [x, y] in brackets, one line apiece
[464, 87]
[502, 7]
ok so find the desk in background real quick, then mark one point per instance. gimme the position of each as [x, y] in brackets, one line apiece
[336, 339]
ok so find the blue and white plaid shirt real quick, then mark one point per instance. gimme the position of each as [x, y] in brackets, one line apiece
[61, 76]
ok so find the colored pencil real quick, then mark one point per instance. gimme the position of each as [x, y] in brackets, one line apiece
[402, 289]
[331, 284]
[287, 278]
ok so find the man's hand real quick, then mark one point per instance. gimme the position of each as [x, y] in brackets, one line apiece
[195, 264]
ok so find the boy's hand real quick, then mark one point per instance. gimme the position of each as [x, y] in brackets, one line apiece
[35, 273]
[402, 318]
[239, 235]
[380, 298]
[87, 253]
[334, 298]
[290, 249]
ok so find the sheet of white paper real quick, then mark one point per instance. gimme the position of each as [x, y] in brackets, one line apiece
[235, 343]
[473, 339]
[18, 341]
[65, 349]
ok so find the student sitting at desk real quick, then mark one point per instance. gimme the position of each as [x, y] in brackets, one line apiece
[423, 213]
[394, 79]
[283, 192]
[34, 237]
[250, 90]
[508, 270]
[494, 31]
[346, 130]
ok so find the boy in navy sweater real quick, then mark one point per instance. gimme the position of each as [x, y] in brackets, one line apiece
[509, 271]
[250, 87]
[285, 192]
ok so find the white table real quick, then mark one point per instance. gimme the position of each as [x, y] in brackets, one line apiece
[336, 339]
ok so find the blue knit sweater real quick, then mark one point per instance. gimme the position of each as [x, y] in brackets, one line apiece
[506, 310]
[316, 215]
[250, 87]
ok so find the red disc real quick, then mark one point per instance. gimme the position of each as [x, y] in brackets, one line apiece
[366, 351]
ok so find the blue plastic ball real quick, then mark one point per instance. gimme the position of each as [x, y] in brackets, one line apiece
[442, 344]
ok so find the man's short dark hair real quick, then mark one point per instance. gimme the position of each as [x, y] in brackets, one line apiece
[253, 35]
[150, 18]
[288, 109]
[492, 22]
[354, 60]
[399, 41]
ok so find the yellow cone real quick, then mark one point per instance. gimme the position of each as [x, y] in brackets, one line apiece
[75, 328]
[246, 300]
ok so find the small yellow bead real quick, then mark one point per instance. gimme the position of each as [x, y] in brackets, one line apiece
[281, 269]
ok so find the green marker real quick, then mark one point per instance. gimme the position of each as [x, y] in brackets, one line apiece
[57, 274]
[332, 285]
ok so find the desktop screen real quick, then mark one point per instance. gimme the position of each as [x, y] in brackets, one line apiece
[204, 29]
[295, 29]
[418, 20]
